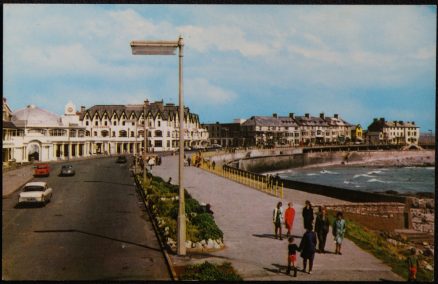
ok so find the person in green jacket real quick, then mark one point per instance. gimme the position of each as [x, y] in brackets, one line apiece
[339, 231]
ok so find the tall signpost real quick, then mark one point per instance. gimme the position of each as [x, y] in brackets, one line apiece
[168, 48]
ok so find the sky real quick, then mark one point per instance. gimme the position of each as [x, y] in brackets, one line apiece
[360, 62]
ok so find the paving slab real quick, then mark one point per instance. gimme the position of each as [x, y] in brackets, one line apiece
[244, 215]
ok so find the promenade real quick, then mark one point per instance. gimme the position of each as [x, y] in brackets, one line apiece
[245, 216]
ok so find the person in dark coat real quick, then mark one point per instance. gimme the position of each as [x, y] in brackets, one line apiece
[322, 228]
[308, 215]
[308, 248]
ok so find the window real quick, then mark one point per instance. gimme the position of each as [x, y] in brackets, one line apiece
[87, 123]
[95, 133]
[158, 143]
[122, 133]
[104, 133]
[168, 143]
[159, 123]
[168, 135]
[132, 134]
[114, 134]
[106, 123]
[96, 123]
[115, 123]
[123, 123]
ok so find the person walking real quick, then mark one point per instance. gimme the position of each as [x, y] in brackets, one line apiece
[308, 248]
[322, 228]
[278, 219]
[413, 265]
[308, 215]
[289, 216]
[338, 231]
[292, 249]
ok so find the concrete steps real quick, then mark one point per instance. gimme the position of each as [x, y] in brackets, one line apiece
[417, 237]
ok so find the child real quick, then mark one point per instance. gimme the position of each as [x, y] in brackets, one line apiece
[291, 256]
[412, 265]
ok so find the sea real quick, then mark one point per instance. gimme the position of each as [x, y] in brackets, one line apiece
[403, 180]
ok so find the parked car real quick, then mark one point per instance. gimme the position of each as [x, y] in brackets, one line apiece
[35, 192]
[67, 170]
[121, 159]
[42, 170]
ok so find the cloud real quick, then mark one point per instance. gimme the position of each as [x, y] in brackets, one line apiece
[201, 90]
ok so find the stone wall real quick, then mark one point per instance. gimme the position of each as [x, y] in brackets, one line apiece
[387, 216]
[256, 162]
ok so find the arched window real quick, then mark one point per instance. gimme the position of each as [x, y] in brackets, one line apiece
[122, 133]
[87, 133]
[140, 133]
[104, 133]
[132, 134]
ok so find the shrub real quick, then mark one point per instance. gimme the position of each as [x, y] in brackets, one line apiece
[210, 272]
[207, 227]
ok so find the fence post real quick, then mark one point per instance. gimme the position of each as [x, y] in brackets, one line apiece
[282, 190]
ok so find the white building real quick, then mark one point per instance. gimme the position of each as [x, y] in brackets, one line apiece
[32, 133]
[393, 132]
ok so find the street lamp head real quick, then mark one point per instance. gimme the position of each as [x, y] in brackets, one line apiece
[148, 47]
[180, 41]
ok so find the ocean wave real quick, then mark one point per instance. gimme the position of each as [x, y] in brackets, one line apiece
[374, 172]
[312, 174]
[430, 168]
[376, 180]
[362, 175]
[328, 172]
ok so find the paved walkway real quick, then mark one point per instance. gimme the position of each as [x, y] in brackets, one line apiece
[245, 216]
[14, 179]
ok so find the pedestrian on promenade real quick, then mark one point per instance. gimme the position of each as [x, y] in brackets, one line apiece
[322, 228]
[292, 249]
[339, 231]
[308, 215]
[213, 164]
[413, 265]
[289, 216]
[308, 248]
[189, 160]
[278, 219]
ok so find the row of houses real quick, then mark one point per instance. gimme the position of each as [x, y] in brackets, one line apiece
[33, 133]
[307, 130]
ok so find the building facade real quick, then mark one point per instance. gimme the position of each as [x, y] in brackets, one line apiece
[36, 134]
[291, 130]
[381, 131]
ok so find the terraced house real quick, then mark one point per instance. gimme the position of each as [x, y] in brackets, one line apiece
[33, 133]
[291, 130]
[393, 132]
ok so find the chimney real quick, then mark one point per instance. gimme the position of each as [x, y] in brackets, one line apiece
[321, 115]
[292, 115]
[146, 102]
[336, 116]
[274, 115]
[413, 122]
[307, 115]
[375, 119]
[82, 108]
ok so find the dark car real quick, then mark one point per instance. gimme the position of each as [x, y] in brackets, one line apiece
[121, 159]
[67, 170]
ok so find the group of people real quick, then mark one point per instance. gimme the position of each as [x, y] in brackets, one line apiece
[311, 237]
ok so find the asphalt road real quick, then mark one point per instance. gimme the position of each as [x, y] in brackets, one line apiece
[95, 228]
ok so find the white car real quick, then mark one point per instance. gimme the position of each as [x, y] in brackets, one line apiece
[35, 192]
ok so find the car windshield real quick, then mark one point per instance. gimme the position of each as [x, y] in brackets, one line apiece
[33, 188]
[66, 167]
[42, 166]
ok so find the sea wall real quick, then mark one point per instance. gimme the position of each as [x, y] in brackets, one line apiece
[386, 216]
[260, 164]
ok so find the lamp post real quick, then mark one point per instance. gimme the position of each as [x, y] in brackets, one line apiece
[145, 148]
[168, 48]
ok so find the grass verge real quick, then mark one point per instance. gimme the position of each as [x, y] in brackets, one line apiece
[378, 246]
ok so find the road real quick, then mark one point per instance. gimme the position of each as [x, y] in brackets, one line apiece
[95, 228]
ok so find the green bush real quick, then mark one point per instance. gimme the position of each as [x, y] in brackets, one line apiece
[207, 227]
[210, 272]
